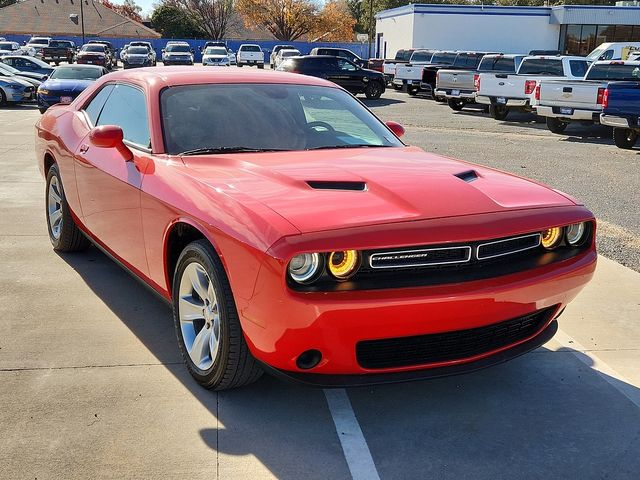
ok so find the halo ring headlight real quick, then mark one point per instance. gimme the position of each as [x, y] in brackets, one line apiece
[576, 234]
[343, 264]
[304, 268]
[551, 237]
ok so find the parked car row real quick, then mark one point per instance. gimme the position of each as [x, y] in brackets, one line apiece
[601, 88]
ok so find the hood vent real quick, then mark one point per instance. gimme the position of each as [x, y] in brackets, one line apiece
[468, 175]
[337, 185]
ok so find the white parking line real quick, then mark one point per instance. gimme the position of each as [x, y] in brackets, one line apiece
[612, 377]
[355, 448]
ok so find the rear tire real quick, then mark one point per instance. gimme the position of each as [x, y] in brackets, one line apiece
[624, 138]
[42, 110]
[456, 104]
[3, 98]
[555, 125]
[261, 66]
[499, 112]
[412, 91]
[64, 234]
[373, 90]
[214, 338]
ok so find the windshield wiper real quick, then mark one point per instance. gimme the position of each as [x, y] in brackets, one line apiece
[214, 150]
[357, 145]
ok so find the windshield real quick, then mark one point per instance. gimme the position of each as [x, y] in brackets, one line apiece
[404, 55]
[290, 53]
[76, 73]
[267, 117]
[215, 51]
[93, 48]
[466, 60]
[179, 49]
[497, 63]
[6, 46]
[615, 71]
[137, 50]
[250, 48]
[421, 56]
[598, 51]
[443, 58]
[541, 66]
[39, 41]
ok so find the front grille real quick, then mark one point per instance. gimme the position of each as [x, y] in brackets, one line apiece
[449, 346]
[508, 246]
[420, 258]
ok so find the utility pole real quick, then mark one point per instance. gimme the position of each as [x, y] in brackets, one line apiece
[82, 18]
[370, 25]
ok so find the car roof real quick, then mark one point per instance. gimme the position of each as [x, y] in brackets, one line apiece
[189, 75]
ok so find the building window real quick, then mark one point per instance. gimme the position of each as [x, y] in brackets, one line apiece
[582, 39]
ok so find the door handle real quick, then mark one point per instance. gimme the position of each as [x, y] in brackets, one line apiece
[567, 89]
[84, 148]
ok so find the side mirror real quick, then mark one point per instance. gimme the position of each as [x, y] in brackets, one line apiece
[110, 136]
[396, 128]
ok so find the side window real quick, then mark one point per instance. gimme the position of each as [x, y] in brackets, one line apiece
[127, 108]
[578, 68]
[608, 55]
[346, 66]
[95, 106]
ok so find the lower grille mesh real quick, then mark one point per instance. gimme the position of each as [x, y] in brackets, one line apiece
[442, 347]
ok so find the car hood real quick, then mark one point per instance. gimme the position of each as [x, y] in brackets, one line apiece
[71, 86]
[35, 76]
[312, 189]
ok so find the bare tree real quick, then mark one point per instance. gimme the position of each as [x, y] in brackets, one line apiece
[214, 17]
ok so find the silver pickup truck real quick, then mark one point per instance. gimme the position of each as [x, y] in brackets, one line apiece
[459, 87]
[565, 101]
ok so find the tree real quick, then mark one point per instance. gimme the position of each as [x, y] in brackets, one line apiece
[335, 23]
[213, 17]
[127, 9]
[172, 22]
[286, 20]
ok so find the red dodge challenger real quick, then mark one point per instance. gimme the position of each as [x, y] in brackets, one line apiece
[294, 232]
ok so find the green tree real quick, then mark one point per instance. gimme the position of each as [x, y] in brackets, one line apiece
[172, 22]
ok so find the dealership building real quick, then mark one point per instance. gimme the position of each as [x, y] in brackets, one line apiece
[571, 29]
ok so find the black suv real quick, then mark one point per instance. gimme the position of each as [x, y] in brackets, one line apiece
[345, 73]
[340, 52]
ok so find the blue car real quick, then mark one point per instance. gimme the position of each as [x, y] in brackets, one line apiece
[66, 83]
[27, 64]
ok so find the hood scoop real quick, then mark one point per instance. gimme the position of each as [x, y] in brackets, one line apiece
[468, 175]
[337, 185]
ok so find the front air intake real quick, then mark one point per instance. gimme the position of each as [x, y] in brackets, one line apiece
[337, 185]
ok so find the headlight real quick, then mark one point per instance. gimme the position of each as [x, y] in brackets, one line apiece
[343, 264]
[551, 237]
[43, 91]
[576, 234]
[305, 267]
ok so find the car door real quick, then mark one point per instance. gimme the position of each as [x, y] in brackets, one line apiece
[108, 184]
[349, 75]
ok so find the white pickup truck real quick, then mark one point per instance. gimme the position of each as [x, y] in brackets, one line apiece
[516, 92]
[409, 74]
[389, 65]
[249, 54]
[564, 101]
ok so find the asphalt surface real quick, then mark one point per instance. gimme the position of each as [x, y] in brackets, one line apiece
[583, 162]
[92, 385]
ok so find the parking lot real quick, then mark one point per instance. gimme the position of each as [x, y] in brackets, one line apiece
[93, 385]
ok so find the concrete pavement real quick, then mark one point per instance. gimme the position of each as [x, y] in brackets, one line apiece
[91, 384]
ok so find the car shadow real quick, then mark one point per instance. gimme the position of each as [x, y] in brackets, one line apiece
[19, 106]
[380, 102]
[544, 415]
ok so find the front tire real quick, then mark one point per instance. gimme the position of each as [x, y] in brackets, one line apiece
[261, 66]
[209, 333]
[64, 234]
[499, 112]
[3, 98]
[412, 91]
[624, 138]
[555, 125]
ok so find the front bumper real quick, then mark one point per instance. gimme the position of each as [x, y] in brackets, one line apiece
[92, 61]
[575, 115]
[280, 324]
[20, 95]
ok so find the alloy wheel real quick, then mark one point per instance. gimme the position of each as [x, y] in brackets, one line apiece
[54, 207]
